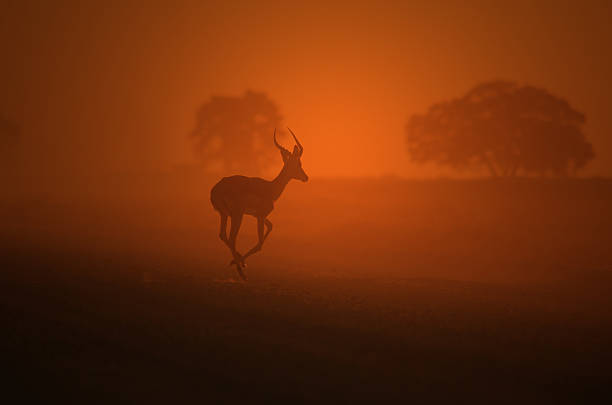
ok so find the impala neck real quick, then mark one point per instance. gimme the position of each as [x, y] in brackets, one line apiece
[279, 183]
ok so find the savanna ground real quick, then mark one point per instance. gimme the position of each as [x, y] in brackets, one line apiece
[378, 290]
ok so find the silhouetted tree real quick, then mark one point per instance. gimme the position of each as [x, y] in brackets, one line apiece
[234, 134]
[504, 127]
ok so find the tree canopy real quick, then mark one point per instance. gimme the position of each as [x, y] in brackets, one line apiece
[233, 134]
[504, 127]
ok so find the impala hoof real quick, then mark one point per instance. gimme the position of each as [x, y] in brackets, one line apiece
[242, 275]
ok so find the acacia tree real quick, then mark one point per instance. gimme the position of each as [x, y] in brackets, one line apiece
[504, 127]
[233, 134]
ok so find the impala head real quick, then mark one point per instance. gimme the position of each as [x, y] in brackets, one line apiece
[292, 160]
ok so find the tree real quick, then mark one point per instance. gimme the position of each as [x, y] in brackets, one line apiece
[234, 134]
[503, 127]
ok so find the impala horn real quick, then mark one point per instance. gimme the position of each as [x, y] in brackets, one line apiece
[300, 148]
[283, 150]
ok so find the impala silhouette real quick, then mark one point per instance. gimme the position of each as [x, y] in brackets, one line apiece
[236, 196]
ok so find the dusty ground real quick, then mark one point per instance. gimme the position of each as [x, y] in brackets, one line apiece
[366, 290]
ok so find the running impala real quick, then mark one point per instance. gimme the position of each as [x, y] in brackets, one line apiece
[236, 196]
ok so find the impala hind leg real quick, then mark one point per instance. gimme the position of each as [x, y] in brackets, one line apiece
[223, 229]
[238, 259]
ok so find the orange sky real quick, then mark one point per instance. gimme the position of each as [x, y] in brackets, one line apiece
[115, 86]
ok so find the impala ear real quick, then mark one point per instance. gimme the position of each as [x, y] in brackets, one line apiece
[285, 154]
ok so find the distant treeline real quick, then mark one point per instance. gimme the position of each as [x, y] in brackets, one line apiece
[500, 126]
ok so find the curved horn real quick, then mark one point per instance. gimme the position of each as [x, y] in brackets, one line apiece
[278, 145]
[297, 142]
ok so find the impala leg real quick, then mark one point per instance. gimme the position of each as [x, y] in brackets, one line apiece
[238, 260]
[261, 237]
[223, 229]
[268, 227]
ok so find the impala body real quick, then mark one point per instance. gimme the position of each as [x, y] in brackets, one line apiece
[235, 196]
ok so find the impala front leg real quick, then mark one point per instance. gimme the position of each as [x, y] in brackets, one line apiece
[261, 236]
[269, 226]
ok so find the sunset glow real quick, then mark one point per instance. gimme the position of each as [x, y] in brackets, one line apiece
[311, 202]
[130, 78]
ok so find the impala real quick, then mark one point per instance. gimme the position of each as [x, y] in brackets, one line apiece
[236, 196]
